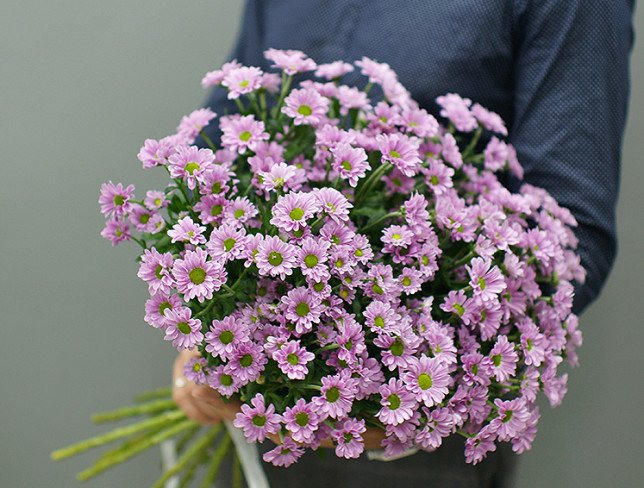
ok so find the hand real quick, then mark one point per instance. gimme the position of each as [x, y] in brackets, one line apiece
[200, 402]
[204, 405]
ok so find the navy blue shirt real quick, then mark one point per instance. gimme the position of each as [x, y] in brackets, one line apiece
[555, 70]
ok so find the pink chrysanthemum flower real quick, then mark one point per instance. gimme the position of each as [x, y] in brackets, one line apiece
[211, 208]
[156, 271]
[240, 211]
[284, 454]
[116, 231]
[275, 257]
[350, 163]
[377, 72]
[410, 280]
[186, 230]
[456, 109]
[488, 119]
[401, 151]
[227, 242]
[438, 426]
[225, 335]
[190, 164]
[333, 203]
[115, 200]
[182, 329]
[259, 420]
[196, 277]
[194, 370]
[219, 179]
[290, 61]
[486, 280]
[450, 151]
[224, 383]
[336, 396]
[334, 70]
[397, 236]
[277, 177]
[291, 211]
[398, 404]
[312, 257]
[242, 133]
[496, 154]
[302, 308]
[214, 78]
[145, 220]
[351, 98]
[306, 106]
[438, 176]
[428, 379]
[271, 82]
[292, 359]
[156, 153]
[191, 124]
[477, 369]
[381, 317]
[301, 421]
[348, 438]
[511, 419]
[477, 447]
[458, 303]
[155, 200]
[156, 306]
[247, 362]
[504, 359]
[419, 122]
[242, 80]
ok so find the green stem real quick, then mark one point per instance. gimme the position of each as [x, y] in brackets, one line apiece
[286, 84]
[187, 437]
[466, 259]
[472, 145]
[192, 451]
[155, 406]
[262, 104]
[372, 180]
[145, 444]
[205, 137]
[115, 434]
[129, 443]
[191, 469]
[236, 477]
[380, 220]
[240, 106]
[140, 242]
[217, 458]
[211, 303]
[463, 434]
[164, 392]
[241, 276]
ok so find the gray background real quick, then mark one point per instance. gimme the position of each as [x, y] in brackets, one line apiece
[84, 82]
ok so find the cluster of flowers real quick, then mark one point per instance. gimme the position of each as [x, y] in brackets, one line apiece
[342, 264]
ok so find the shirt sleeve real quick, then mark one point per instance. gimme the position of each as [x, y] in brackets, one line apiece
[247, 50]
[571, 90]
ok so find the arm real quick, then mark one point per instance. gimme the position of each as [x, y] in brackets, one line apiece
[571, 91]
[248, 51]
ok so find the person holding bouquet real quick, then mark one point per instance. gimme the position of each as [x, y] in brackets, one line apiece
[557, 73]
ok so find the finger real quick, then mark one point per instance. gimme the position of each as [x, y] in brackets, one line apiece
[207, 394]
[194, 413]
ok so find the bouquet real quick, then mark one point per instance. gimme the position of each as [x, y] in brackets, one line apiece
[342, 261]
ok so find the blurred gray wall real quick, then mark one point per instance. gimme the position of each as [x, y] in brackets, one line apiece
[83, 83]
